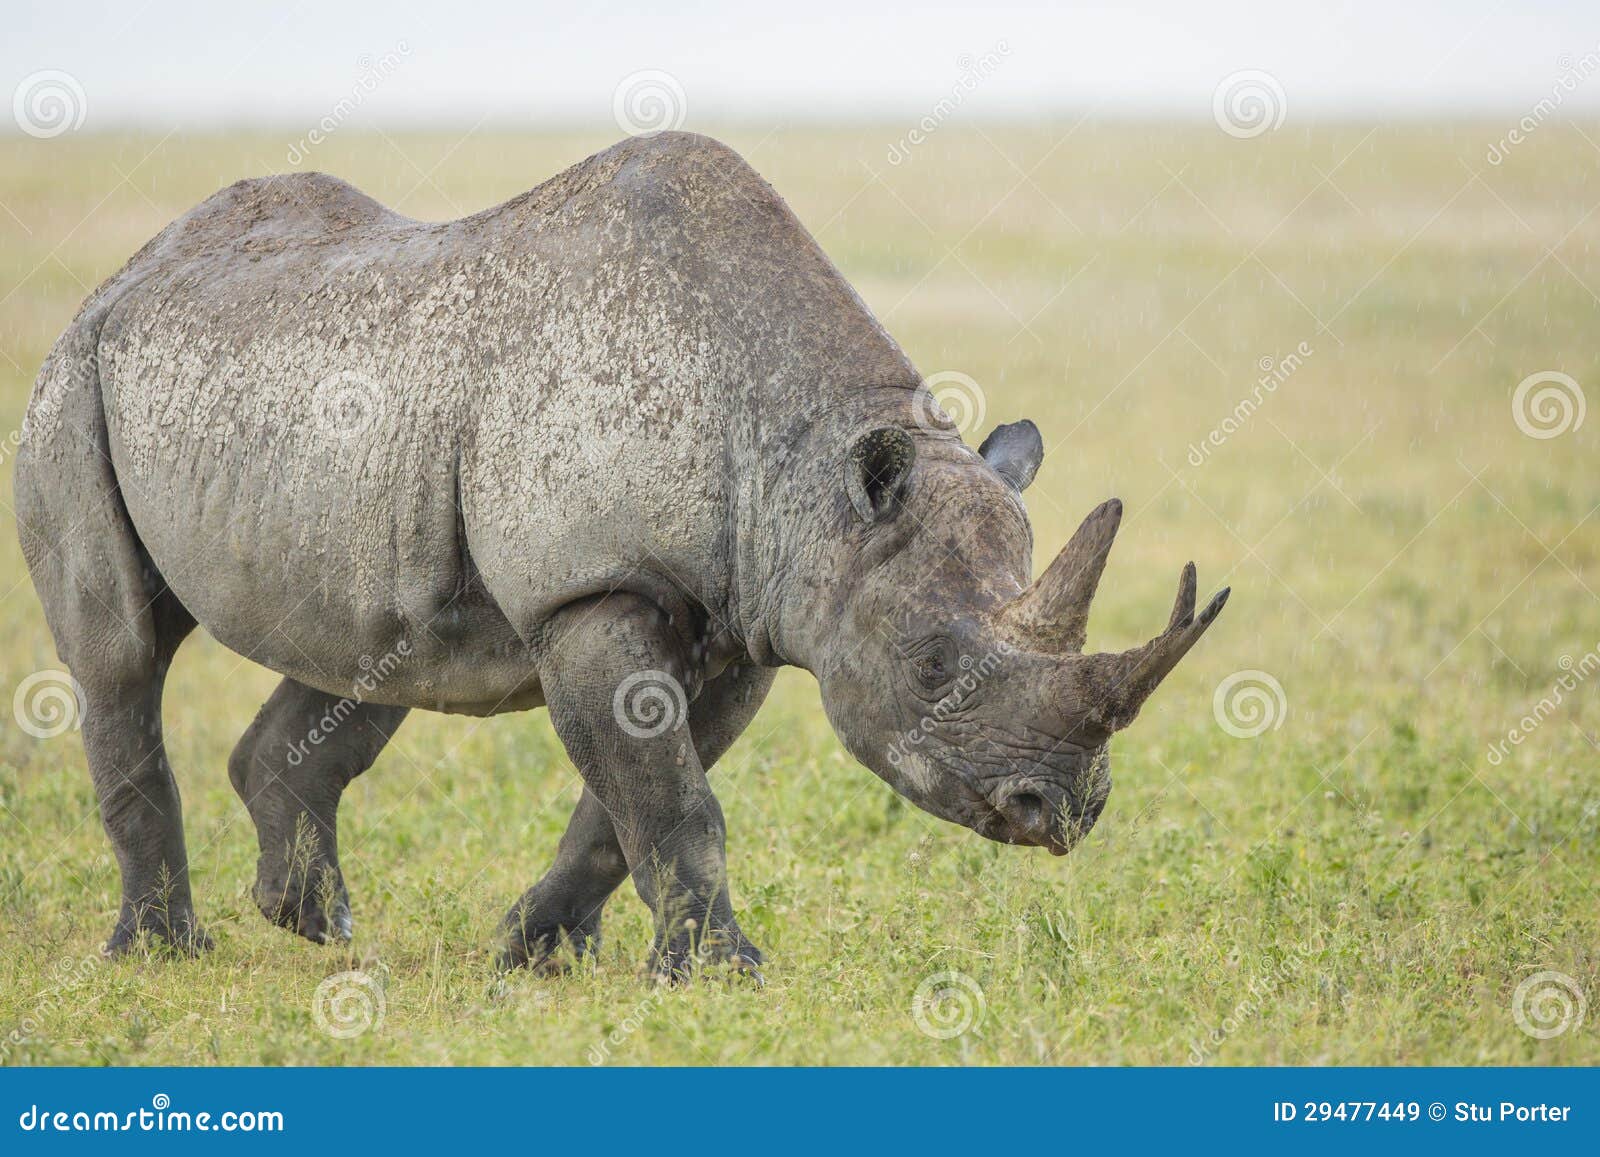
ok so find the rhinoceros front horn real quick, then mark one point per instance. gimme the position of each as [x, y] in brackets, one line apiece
[1053, 614]
[1054, 611]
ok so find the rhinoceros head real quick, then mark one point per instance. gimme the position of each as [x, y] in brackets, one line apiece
[959, 683]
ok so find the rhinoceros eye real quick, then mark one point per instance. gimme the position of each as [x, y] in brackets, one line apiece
[932, 663]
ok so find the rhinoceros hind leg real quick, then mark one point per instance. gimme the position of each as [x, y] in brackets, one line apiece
[290, 768]
[116, 627]
[142, 814]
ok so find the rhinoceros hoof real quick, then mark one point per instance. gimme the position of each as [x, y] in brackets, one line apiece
[152, 933]
[547, 951]
[715, 955]
[322, 916]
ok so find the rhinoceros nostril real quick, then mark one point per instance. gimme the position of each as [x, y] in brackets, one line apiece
[1026, 807]
[1028, 816]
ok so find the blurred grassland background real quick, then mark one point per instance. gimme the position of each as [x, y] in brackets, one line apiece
[1358, 884]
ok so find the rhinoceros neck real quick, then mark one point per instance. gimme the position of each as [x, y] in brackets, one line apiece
[804, 367]
[962, 541]
[792, 510]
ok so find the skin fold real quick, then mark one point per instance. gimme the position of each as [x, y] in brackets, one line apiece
[620, 447]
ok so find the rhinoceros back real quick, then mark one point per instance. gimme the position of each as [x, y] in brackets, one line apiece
[336, 428]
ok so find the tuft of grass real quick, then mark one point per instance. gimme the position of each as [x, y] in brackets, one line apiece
[1360, 883]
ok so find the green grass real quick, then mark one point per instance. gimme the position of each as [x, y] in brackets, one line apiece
[1358, 885]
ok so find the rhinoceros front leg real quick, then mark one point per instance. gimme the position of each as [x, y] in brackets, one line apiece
[614, 679]
[290, 768]
[563, 908]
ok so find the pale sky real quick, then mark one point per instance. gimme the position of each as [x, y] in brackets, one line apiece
[195, 65]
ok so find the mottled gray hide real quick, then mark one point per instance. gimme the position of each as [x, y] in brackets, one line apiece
[620, 446]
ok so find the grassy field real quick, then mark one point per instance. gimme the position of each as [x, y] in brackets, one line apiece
[1369, 880]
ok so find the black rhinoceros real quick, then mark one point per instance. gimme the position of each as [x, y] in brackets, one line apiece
[620, 446]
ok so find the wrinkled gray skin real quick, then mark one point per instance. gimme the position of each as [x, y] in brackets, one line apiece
[632, 424]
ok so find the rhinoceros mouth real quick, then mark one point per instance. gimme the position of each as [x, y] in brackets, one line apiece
[1028, 811]
[1015, 827]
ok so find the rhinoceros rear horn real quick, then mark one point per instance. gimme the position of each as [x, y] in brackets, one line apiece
[1127, 680]
[1054, 611]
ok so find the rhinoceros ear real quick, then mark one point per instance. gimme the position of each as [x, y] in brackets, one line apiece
[1014, 451]
[876, 470]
